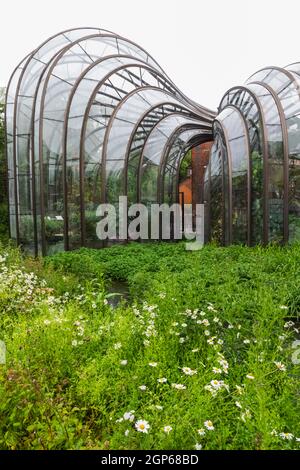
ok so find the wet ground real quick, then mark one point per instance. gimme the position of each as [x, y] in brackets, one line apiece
[121, 291]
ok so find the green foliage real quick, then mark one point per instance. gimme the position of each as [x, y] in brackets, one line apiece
[186, 164]
[124, 263]
[3, 222]
[257, 196]
[219, 314]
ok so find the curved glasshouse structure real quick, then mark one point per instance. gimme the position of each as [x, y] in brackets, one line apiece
[252, 182]
[91, 116]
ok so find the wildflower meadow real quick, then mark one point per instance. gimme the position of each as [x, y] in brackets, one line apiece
[202, 353]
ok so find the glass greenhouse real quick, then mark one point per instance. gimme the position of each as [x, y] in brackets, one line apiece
[252, 182]
[91, 116]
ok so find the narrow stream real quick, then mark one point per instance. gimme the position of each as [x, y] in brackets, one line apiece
[121, 291]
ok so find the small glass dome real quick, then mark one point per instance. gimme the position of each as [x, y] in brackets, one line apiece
[252, 183]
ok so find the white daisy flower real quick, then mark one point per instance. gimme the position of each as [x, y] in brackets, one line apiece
[129, 416]
[286, 436]
[224, 365]
[142, 426]
[178, 386]
[124, 362]
[188, 371]
[211, 308]
[143, 387]
[162, 380]
[153, 364]
[250, 377]
[246, 415]
[240, 389]
[217, 384]
[289, 324]
[168, 429]
[280, 366]
[201, 432]
[209, 425]
[198, 446]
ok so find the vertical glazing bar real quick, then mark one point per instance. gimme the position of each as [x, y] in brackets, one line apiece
[229, 195]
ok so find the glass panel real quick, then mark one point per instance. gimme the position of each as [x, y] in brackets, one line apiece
[287, 89]
[274, 141]
[216, 195]
[236, 135]
[248, 107]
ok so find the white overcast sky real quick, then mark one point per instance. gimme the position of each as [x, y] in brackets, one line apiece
[205, 46]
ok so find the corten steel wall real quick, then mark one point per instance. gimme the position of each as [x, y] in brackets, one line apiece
[252, 183]
[200, 158]
[91, 116]
[185, 188]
